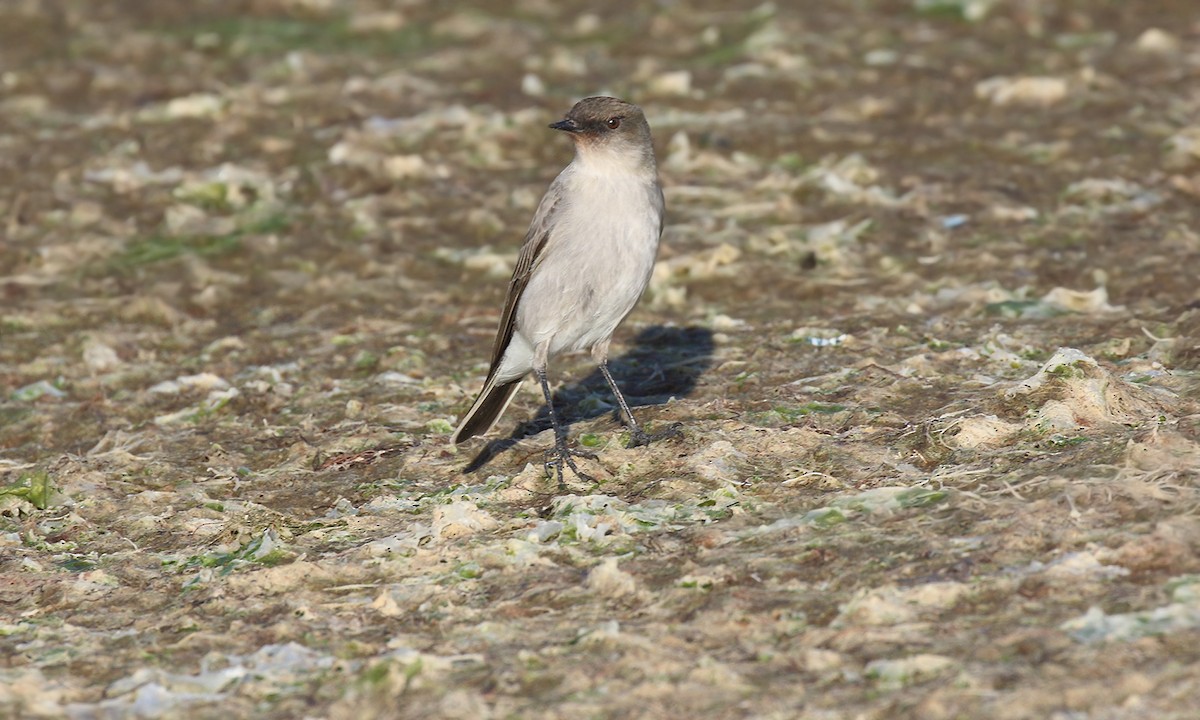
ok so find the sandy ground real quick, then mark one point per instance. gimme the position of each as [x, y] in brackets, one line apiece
[927, 310]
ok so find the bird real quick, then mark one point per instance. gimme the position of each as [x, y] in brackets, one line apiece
[585, 262]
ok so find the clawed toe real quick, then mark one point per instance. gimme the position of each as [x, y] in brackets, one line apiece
[558, 457]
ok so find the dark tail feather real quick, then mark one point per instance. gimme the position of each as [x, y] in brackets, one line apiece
[488, 407]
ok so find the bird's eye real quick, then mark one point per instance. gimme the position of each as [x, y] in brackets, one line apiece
[614, 123]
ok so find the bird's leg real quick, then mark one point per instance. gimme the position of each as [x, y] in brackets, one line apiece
[637, 436]
[563, 452]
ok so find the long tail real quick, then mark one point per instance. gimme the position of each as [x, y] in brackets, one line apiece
[493, 400]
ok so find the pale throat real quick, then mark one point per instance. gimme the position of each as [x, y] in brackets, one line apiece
[606, 160]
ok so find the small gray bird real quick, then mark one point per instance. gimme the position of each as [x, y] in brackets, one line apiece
[586, 260]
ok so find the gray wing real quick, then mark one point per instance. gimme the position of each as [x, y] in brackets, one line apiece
[660, 204]
[527, 260]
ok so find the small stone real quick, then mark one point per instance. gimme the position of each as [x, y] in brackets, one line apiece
[403, 166]
[199, 105]
[609, 580]
[724, 323]
[532, 85]
[1157, 42]
[100, 357]
[1022, 91]
[676, 83]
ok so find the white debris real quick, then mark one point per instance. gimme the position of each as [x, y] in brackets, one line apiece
[1090, 301]
[459, 519]
[1079, 565]
[1055, 416]
[853, 179]
[677, 83]
[1155, 41]
[200, 381]
[724, 323]
[358, 151]
[1111, 195]
[1064, 358]
[1084, 394]
[892, 605]
[198, 105]
[100, 357]
[610, 581]
[38, 390]
[983, 431]
[819, 337]
[1097, 626]
[125, 178]
[27, 693]
[1022, 91]
[215, 400]
[532, 85]
[400, 544]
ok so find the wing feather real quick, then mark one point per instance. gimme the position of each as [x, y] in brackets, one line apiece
[493, 399]
[527, 260]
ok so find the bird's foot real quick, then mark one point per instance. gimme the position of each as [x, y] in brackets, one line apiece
[561, 455]
[639, 437]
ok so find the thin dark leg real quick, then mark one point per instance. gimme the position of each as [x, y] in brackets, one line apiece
[560, 438]
[637, 436]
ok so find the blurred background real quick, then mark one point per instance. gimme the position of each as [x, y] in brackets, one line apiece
[252, 255]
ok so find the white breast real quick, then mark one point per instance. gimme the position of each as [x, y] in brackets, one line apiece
[598, 258]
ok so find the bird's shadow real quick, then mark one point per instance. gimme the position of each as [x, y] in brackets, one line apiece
[664, 362]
